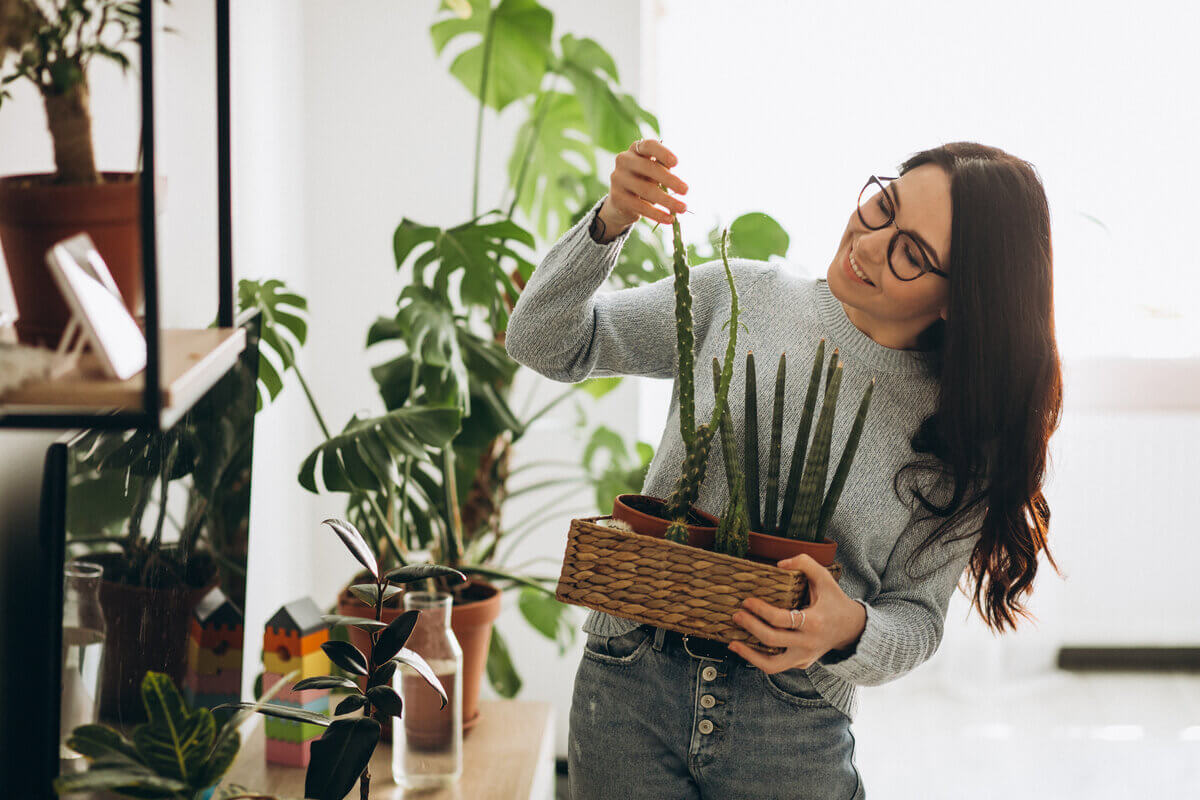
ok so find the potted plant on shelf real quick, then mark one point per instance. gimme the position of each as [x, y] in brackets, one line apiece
[51, 45]
[341, 756]
[702, 575]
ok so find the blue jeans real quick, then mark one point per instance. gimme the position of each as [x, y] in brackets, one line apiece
[649, 720]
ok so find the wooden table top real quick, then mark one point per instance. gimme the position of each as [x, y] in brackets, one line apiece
[508, 755]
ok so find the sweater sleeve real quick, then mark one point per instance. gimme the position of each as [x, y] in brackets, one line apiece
[906, 619]
[565, 329]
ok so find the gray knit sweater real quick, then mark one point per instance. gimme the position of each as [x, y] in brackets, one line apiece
[567, 330]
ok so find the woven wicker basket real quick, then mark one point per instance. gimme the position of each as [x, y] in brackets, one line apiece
[670, 585]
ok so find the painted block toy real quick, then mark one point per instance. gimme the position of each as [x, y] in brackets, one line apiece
[292, 640]
[214, 652]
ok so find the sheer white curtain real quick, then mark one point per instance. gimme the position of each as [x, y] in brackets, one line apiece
[786, 107]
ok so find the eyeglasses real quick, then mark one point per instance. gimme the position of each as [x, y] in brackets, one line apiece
[908, 256]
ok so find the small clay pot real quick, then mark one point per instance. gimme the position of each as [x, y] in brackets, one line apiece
[771, 549]
[647, 516]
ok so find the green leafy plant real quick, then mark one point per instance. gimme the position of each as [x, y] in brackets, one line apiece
[179, 753]
[807, 506]
[342, 754]
[52, 43]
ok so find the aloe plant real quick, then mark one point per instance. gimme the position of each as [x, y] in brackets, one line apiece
[697, 440]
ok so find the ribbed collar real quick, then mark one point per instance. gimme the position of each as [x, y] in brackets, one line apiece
[851, 341]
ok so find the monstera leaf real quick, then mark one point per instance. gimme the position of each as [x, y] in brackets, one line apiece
[755, 236]
[613, 117]
[475, 249]
[362, 456]
[284, 329]
[560, 159]
[519, 47]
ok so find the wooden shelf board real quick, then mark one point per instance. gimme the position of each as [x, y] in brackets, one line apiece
[192, 361]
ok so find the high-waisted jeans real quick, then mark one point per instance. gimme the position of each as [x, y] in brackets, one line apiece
[649, 720]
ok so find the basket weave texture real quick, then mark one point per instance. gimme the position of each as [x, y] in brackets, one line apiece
[669, 585]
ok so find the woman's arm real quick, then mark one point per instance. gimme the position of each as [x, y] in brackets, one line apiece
[564, 329]
[905, 621]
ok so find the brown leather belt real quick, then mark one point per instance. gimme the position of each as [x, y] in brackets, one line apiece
[698, 647]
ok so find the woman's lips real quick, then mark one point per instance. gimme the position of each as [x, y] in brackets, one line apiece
[850, 270]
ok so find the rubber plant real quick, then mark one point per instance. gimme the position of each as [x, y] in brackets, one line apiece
[342, 755]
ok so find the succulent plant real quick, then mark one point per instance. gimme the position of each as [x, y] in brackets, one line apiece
[697, 440]
[733, 532]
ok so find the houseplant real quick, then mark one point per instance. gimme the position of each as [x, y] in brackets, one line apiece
[51, 44]
[341, 756]
[178, 753]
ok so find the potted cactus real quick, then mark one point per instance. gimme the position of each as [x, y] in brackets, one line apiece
[799, 526]
[675, 517]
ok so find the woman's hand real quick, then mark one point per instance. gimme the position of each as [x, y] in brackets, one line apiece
[636, 186]
[832, 621]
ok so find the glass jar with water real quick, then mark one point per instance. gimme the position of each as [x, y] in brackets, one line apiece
[427, 741]
[82, 650]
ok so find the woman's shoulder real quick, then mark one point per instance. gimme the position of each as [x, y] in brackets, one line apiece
[783, 280]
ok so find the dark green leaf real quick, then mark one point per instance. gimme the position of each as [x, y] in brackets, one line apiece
[346, 656]
[369, 593]
[351, 703]
[382, 674]
[339, 757]
[354, 543]
[326, 682]
[419, 572]
[282, 712]
[547, 616]
[174, 742]
[114, 778]
[362, 623]
[280, 309]
[394, 637]
[385, 699]
[500, 670]
[412, 659]
[99, 741]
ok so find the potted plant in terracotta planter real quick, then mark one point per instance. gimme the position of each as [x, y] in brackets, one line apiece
[800, 525]
[51, 45]
[675, 517]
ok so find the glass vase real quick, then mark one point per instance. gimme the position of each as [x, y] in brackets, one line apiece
[427, 741]
[83, 634]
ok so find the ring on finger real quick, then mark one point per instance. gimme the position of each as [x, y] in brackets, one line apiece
[793, 615]
[637, 147]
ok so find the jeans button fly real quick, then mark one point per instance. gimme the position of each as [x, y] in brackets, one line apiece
[706, 726]
[709, 673]
[708, 701]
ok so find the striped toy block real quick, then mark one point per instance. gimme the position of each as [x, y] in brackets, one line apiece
[292, 754]
[288, 697]
[287, 730]
[289, 644]
[219, 637]
[208, 662]
[227, 682]
[310, 666]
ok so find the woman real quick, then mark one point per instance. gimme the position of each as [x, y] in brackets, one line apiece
[940, 290]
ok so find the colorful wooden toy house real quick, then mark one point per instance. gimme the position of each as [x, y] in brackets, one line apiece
[214, 652]
[293, 640]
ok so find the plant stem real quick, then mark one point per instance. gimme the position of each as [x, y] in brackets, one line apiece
[312, 403]
[483, 80]
[540, 107]
[452, 553]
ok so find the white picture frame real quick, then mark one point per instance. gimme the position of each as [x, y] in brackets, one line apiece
[96, 306]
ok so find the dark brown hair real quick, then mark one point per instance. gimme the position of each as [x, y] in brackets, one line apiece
[999, 371]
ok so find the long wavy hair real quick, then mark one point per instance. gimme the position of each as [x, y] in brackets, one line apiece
[999, 371]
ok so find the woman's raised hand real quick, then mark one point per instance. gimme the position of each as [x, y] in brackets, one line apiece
[636, 186]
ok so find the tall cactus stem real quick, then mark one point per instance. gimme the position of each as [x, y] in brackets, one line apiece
[685, 340]
[812, 486]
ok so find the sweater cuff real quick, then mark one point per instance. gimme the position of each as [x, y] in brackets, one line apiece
[608, 250]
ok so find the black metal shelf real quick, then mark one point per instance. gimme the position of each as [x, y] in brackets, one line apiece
[155, 411]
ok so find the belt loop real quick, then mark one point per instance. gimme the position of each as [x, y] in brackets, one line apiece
[660, 634]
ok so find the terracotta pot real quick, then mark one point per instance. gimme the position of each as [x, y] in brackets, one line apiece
[770, 549]
[646, 515]
[471, 622]
[35, 213]
[146, 629]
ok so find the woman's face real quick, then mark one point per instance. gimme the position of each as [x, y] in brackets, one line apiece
[894, 312]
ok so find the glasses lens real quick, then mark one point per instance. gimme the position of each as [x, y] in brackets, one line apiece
[875, 205]
[906, 258]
